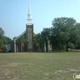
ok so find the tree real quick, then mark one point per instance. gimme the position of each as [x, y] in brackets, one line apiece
[3, 40]
[37, 41]
[1, 32]
[62, 31]
[6, 39]
[78, 35]
[1, 37]
[45, 35]
[23, 41]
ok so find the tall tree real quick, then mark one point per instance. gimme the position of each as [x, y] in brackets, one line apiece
[6, 39]
[45, 35]
[1, 37]
[62, 29]
[78, 35]
[1, 32]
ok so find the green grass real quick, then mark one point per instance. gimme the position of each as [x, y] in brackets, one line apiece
[39, 66]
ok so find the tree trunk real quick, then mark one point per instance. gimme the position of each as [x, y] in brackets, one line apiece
[21, 48]
[39, 48]
[67, 47]
[46, 47]
[59, 47]
[52, 47]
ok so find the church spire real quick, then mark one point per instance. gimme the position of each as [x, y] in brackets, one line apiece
[29, 20]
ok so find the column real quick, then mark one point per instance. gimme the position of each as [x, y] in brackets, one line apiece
[15, 45]
[44, 47]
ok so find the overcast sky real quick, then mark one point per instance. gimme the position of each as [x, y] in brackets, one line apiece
[13, 14]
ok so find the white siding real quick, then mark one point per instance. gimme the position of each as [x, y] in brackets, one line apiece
[8, 47]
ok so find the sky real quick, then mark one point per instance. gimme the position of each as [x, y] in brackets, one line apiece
[13, 14]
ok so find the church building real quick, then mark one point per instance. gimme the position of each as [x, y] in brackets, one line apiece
[28, 34]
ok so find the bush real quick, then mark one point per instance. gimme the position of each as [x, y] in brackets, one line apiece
[71, 45]
[3, 48]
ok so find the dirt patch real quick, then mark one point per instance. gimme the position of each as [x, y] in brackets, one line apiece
[69, 70]
[5, 71]
[15, 78]
[12, 64]
[74, 70]
[60, 71]
[46, 74]
[8, 74]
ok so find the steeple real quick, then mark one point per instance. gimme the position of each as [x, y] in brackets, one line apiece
[29, 20]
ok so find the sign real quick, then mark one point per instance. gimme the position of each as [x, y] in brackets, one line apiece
[76, 76]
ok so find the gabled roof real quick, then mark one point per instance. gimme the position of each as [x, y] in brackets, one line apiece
[8, 42]
[23, 34]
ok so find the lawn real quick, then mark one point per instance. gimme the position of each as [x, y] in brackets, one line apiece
[39, 66]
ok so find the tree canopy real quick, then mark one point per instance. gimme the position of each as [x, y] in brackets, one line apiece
[64, 34]
[3, 39]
